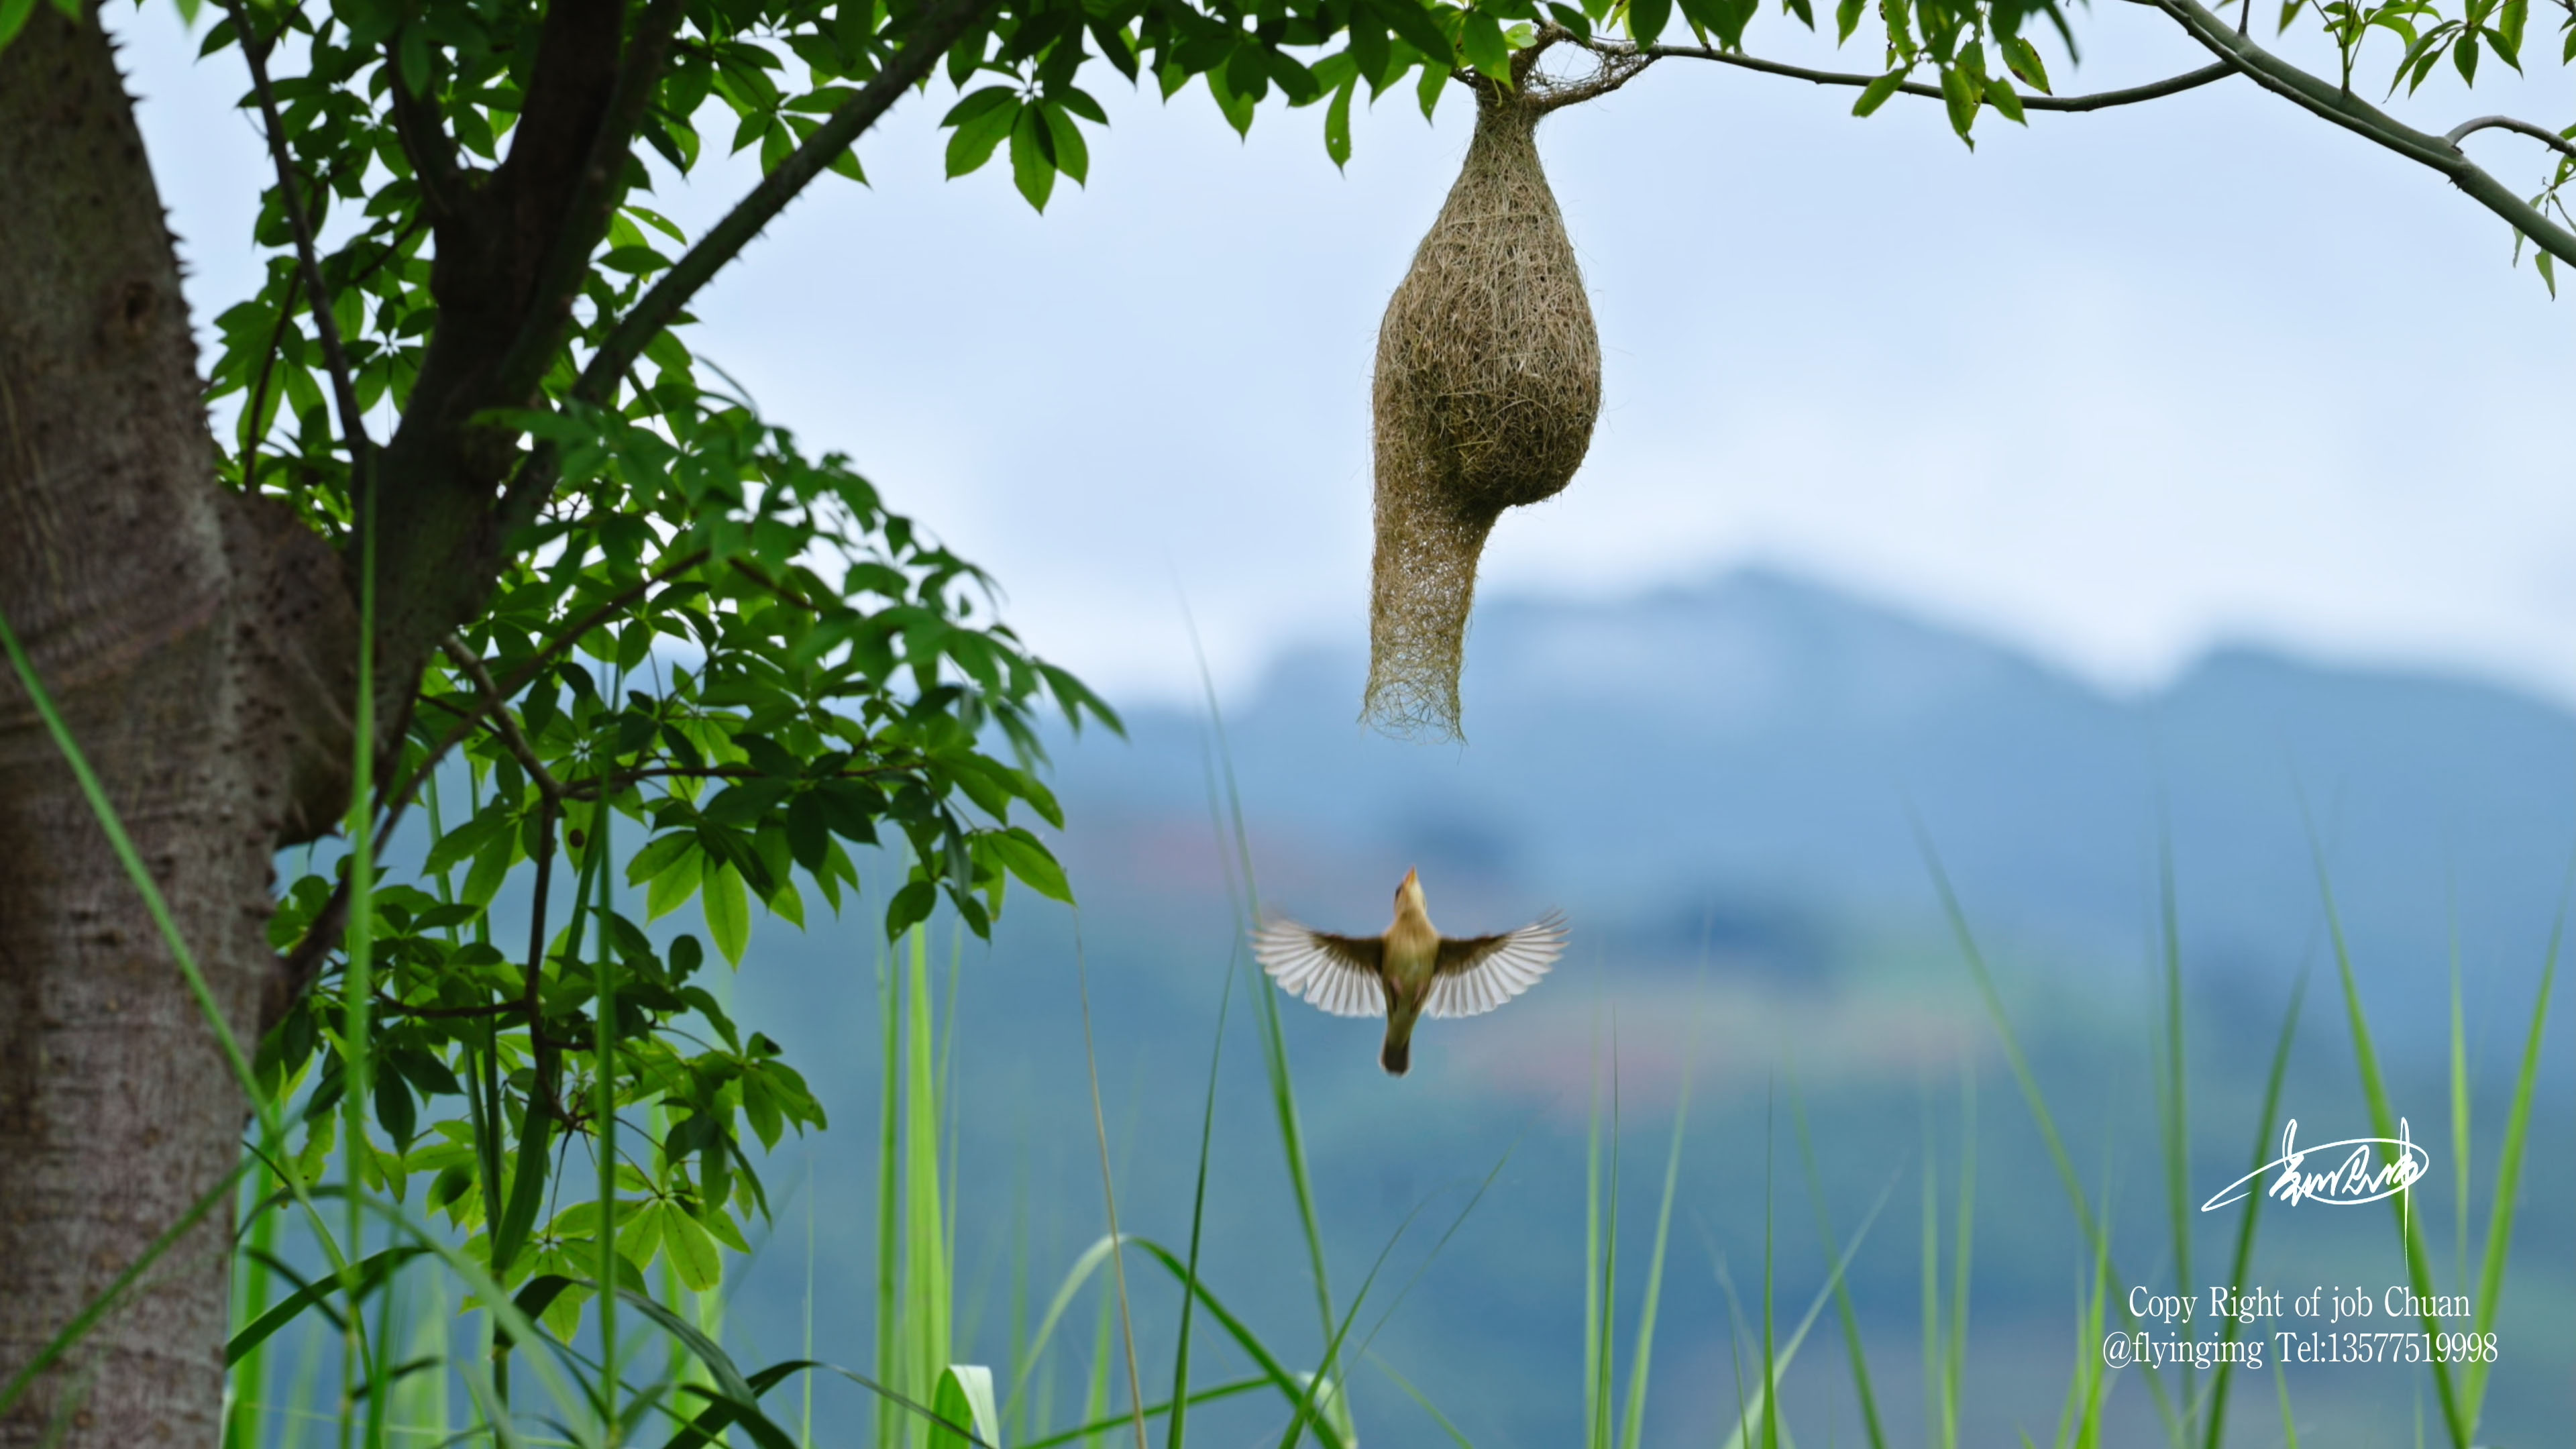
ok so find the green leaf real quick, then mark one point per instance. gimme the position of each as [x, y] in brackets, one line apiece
[1072, 155]
[1025, 857]
[978, 135]
[910, 906]
[1337, 123]
[1646, 19]
[1875, 94]
[1481, 39]
[1413, 22]
[2022, 59]
[1032, 169]
[965, 1400]
[727, 907]
[1847, 18]
[1434, 79]
[676, 882]
[693, 1253]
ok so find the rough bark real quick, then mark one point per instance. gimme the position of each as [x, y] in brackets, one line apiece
[198, 643]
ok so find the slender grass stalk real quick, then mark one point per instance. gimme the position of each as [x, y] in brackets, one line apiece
[1456, 1435]
[604, 1113]
[1645, 1350]
[132, 860]
[2216, 1427]
[889, 1179]
[1274, 1040]
[2385, 1123]
[1176, 1435]
[358, 991]
[1109, 1192]
[1937, 1428]
[1854, 1353]
[246, 1382]
[1095, 1393]
[2508, 1183]
[2173, 1101]
[1771, 1367]
[926, 1289]
[1964, 1225]
[1594, 1330]
[2460, 1140]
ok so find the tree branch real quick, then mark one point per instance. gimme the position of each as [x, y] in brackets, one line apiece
[399, 799]
[496, 704]
[2097, 101]
[2323, 98]
[2555, 142]
[596, 188]
[353, 428]
[425, 143]
[696, 267]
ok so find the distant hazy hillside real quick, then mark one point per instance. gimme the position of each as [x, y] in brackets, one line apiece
[1715, 784]
[1727, 756]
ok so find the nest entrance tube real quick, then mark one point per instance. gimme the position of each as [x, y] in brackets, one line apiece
[1488, 383]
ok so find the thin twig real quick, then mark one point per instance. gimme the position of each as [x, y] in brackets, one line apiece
[2096, 101]
[353, 428]
[2322, 99]
[401, 798]
[2552, 139]
[496, 704]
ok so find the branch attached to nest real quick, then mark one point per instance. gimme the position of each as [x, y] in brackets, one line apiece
[1545, 93]
[2096, 101]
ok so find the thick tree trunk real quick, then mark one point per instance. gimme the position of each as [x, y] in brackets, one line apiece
[197, 642]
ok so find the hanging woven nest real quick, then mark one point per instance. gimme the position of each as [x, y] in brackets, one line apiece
[1488, 383]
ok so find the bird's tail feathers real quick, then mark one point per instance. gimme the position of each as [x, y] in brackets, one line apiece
[1397, 1057]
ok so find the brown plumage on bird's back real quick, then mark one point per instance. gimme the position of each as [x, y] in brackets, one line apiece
[1408, 972]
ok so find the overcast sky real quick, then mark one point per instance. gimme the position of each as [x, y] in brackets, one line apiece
[2114, 387]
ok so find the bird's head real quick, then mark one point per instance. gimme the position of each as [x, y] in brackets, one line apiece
[1411, 890]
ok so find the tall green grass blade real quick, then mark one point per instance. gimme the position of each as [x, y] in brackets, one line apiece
[1176, 1435]
[1109, 1193]
[2028, 1082]
[1963, 1225]
[926, 1284]
[1933, 1356]
[2289, 1422]
[2173, 1101]
[604, 1110]
[132, 860]
[2245, 1226]
[1095, 1394]
[965, 1398]
[1645, 1350]
[2508, 1183]
[1274, 1040]
[2384, 1123]
[889, 1188]
[1098, 1427]
[105, 1303]
[2460, 1140]
[246, 1384]
[1837, 1281]
[1595, 1332]
[1854, 1353]
[1456, 1435]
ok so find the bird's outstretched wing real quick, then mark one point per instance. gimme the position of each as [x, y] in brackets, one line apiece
[1337, 973]
[1475, 974]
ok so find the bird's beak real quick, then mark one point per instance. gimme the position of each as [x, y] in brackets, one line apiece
[1412, 886]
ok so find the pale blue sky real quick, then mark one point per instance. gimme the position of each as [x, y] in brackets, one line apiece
[2113, 387]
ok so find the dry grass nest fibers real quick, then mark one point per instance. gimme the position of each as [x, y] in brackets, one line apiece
[1488, 383]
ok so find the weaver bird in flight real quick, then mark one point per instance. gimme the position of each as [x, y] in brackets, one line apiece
[1411, 971]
